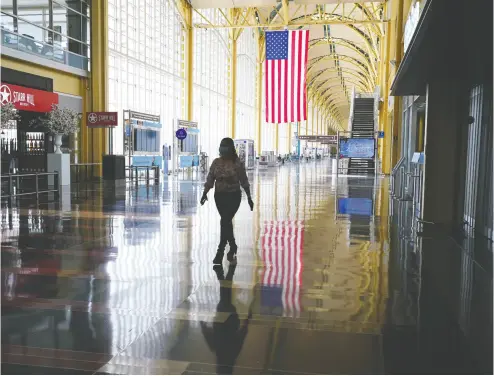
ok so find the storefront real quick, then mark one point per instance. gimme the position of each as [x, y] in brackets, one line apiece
[23, 145]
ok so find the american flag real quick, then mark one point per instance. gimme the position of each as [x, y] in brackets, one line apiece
[281, 251]
[285, 75]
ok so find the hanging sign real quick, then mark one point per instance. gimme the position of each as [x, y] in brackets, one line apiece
[27, 99]
[328, 139]
[186, 124]
[102, 119]
[181, 134]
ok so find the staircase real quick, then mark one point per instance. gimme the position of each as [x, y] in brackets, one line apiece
[362, 127]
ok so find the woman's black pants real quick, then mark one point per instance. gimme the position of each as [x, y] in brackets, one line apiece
[227, 204]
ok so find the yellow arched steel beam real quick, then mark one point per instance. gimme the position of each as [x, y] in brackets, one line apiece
[317, 75]
[345, 43]
[320, 84]
[332, 105]
[358, 75]
[369, 16]
[340, 17]
[315, 103]
[333, 94]
[341, 58]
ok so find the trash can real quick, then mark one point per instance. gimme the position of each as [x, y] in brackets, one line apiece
[334, 165]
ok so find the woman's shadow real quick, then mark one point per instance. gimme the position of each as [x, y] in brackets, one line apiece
[226, 338]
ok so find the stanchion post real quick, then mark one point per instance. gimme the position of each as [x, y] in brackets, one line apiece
[37, 186]
[56, 182]
[11, 189]
[147, 175]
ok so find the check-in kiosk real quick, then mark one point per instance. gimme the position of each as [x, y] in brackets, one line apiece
[142, 139]
[245, 151]
[185, 145]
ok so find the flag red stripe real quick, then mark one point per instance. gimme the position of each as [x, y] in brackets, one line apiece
[299, 58]
[278, 119]
[305, 74]
[292, 69]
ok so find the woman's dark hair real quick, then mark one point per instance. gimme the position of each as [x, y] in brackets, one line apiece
[227, 149]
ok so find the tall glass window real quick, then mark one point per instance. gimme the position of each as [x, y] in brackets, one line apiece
[246, 85]
[145, 62]
[211, 97]
[54, 29]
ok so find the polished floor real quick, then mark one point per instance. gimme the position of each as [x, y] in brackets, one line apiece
[124, 284]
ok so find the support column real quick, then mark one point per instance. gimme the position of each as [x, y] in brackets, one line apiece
[97, 139]
[277, 138]
[233, 86]
[289, 128]
[234, 34]
[189, 65]
[261, 52]
[446, 114]
[386, 142]
[397, 101]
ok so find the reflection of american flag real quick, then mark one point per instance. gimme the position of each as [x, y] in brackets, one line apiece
[281, 251]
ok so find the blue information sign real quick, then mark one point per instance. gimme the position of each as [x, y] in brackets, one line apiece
[181, 134]
[380, 134]
[357, 148]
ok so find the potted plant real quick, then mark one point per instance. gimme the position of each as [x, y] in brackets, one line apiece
[59, 122]
[8, 114]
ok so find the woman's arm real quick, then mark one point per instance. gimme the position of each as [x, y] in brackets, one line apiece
[209, 184]
[243, 179]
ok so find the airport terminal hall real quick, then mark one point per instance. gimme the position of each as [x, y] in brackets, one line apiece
[276, 187]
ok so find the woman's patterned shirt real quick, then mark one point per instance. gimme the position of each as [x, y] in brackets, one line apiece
[227, 176]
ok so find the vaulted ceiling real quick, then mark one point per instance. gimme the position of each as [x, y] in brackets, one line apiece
[345, 39]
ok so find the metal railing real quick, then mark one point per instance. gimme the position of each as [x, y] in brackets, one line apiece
[17, 178]
[140, 173]
[398, 170]
[83, 172]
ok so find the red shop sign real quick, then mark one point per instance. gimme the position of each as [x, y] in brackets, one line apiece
[27, 99]
[102, 119]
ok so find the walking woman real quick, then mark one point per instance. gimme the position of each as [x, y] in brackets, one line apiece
[227, 174]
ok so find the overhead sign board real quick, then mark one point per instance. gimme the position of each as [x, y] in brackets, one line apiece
[328, 139]
[141, 116]
[325, 139]
[102, 119]
[186, 124]
[27, 99]
[307, 138]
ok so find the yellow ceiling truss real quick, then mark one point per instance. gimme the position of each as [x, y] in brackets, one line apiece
[344, 48]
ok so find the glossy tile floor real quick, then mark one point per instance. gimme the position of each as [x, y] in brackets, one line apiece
[126, 286]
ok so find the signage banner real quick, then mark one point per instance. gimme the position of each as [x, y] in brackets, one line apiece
[141, 116]
[326, 139]
[27, 99]
[307, 138]
[357, 148]
[355, 206]
[186, 124]
[102, 119]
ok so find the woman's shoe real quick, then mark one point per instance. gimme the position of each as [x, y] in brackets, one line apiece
[218, 259]
[232, 255]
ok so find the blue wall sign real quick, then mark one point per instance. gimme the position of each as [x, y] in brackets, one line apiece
[380, 134]
[181, 134]
[357, 147]
[355, 206]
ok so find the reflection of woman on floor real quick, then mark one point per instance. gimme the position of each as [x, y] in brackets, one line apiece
[226, 338]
